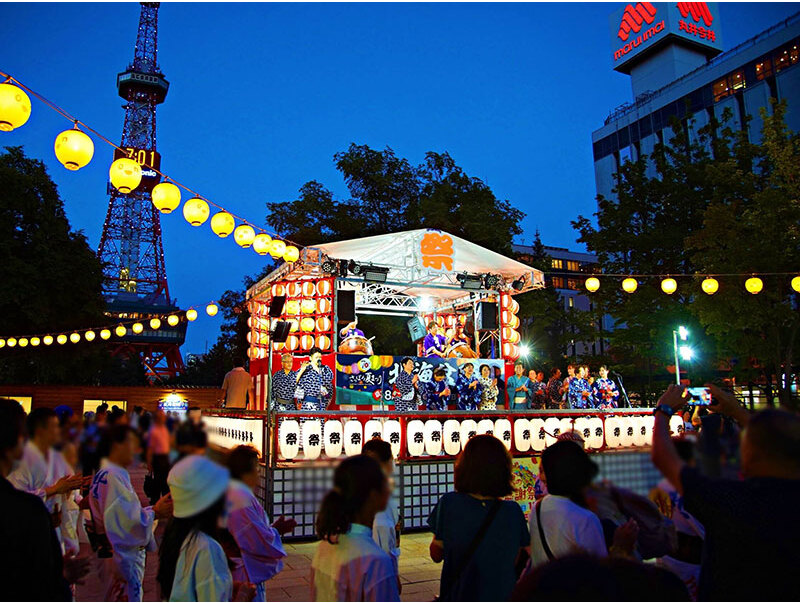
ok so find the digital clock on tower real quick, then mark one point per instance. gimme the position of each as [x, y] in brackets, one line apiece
[150, 161]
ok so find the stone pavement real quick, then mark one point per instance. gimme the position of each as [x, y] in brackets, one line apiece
[418, 574]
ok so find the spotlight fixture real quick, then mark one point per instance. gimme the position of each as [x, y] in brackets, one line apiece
[469, 281]
[343, 268]
[374, 274]
[354, 268]
[492, 281]
[518, 284]
[329, 266]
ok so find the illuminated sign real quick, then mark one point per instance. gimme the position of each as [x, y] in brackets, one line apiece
[642, 26]
[436, 251]
[150, 161]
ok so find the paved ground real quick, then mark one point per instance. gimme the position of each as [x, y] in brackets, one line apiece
[418, 574]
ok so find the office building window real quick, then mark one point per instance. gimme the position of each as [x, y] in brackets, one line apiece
[786, 57]
[572, 284]
[736, 80]
[763, 69]
[573, 266]
[558, 282]
[557, 264]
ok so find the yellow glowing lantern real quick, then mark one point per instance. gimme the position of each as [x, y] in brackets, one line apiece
[796, 283]
[137, 327]
[11, 342]
[292, 342]
[309, 288]
[196, 211]
[292, 307]
[23, 342]
[292, 254]
[308, 306]
[74, 337]
[629, 285]
[293, 289]
[307, 342]
[592, 284]
[262, 243]
[294, 325]
[155, 324]
[35, 341]
[61, 339]
[166, 197]
[74, 149]
[323, 324]
[669, 286]
[89, 335]
[105, 334]
[2, 343]
[47, 340]
[191, 314]
[222, 224]
[244, 235]
[323, 342]
[120, 331]
[513, 321]
[125, 174]
[323, 306]
[15, 107]
[277, 249]
[212, 309]
[754, 285]
[324, 288]
[709, 286]
[510, 335]
[278, 290]
[173, 320]
[307, 324]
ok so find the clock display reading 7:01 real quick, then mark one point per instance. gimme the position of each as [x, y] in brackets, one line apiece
[144, 157]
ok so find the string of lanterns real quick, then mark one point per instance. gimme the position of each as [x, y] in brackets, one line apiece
[75, 149]
[119, 329]
[753, 284]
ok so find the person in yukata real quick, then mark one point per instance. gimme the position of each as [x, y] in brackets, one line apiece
[434, 343]
[404, 391]
[284, 382]
[386, 529]
[118, 514]
[518, 386]
[604, 390]
[351, 330]
[579, 394]
[314, 385]
[259, 542]
[437, 392]
[538, 390]
[348, 564]
[489, 390]
[469, 388]
[192, 563]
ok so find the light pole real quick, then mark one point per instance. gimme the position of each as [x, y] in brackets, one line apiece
[683, 351]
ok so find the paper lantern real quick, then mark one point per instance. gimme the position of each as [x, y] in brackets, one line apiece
[12, 342]
[196, 211]
[15, 107]
[324, 288]
[485, 427]
[90, 335]
[173, 320]
[796, 283]
[613, 432]
[308, 306]
[308, 288]
[292, 254]
[552, 427]
[669, 286]
[333, 438]
[292, 343]
[468, 429]
[292, 307]
[510, 335]
[513, 321]
[166, 197]
[353, 438]
[584, 429]
[23, 342]
[307, 342]
[592, 284]
[294, 325]
[294, 289]
[627, 429]
[35, 341]
[506, 316]
[278, 289]
[61, 340]
[513, 305]
[375, 362]
[323, 342]
[676, 426]
[289, 439]
[74, 337]
[323, 306]
[433, 437]
[312, 439]
[120, 331]
[522, 435]
[629, 285]
[125, 174]
[74, 149]
[373, 429]
[415, 437]
[502, 431]
[391, 434]
[754, 285]
[212, 309]
[262, 243]
[191, 314]
[155, 324]
[597, 433]
[222, 224]
[137, 327]
[510, 351]
[307, 324]
[451, 437]
[2, 343]
[709, 286]
[47, 340]
[323, 324]
[277, 249]
[505, 300]
[244, 235]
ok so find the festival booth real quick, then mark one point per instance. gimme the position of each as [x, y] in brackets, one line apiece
[421, 275]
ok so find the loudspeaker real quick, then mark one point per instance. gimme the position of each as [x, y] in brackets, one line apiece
[486, 318]
[416, 329]
[281, 331]
[346, 305]
[276, 306]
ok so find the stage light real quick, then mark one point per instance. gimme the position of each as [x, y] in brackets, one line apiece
[683, 333]
[524, 350]
[329, 266]
[375, 274]
[518, 284]
[471, 282]
[354, 268]
[492, 281]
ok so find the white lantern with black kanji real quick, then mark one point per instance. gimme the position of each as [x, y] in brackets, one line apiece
[522, 435]
[333, 436]
[451, 437]
[676, 427]
[502, 431]
[373, 429]
[538, 436]
[415, 437]
[469, 428]
[596, 437]
[353, 438]
[433, 437]
[582, 428]
[391, 434]
[312, 439]
[289, 439]
[613, 432]
[627, 428]
[485, 427]
[552, 427]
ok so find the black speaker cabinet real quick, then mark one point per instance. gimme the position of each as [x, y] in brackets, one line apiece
[486, 318]
[346, 305]
[276, 306]
[281, 331]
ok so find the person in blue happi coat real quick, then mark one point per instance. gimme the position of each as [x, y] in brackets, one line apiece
[469, 388]
[437, 391]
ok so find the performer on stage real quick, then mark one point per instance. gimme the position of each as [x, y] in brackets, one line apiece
[579, 394]
[284, 382]
[518, 386]
[352, 330]
[314, 383]
[604, 390]
[437, 392]
[404, 391]
[434, 343]
[489, 389]
[469, 388]
[458, 335]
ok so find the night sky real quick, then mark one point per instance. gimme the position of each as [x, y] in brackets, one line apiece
[262, 96]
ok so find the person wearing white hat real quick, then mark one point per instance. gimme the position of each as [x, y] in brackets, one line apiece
[192, 564]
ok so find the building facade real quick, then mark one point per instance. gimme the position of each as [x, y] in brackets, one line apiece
[678, 72]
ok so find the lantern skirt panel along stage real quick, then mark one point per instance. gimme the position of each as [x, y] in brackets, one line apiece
[427, 277]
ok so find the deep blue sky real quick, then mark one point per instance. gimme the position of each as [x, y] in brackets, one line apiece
[263, 95]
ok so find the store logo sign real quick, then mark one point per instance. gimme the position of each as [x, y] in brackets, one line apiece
[698, 11]
[634, 18]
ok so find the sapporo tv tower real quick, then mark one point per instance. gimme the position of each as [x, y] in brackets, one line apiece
[135, 278]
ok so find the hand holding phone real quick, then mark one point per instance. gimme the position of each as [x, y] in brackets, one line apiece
[699, 396]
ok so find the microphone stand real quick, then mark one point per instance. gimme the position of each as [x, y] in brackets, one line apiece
[622, 389]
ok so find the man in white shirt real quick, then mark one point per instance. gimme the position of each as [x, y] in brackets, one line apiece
[237, 386]
[386, 527]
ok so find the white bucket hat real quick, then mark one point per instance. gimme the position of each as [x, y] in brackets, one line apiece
[196, 483]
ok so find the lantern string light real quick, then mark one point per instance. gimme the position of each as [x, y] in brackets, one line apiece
[76, 121]
[670, 274]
